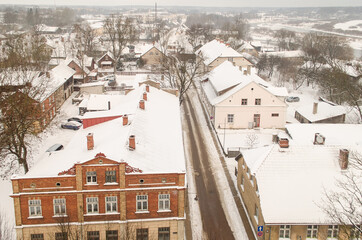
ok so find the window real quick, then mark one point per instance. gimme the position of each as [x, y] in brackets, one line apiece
[230, 118]
[93, 235]
[112, 235]
[284, 231]
[91, 177]
[61, 236]
[43, 107]
[355, 234]
[92, 205]
[59, 206]
[111, 204]
[142, 203]
[164, 233]
[111, 176]
[312, 231]
[34, 208]
[142, 234]
[333, 231]
[257, 101]
[275, 114]
[164, 202]
[38, 236]
[244, 101]
[248, 172]
[242, 182]
[230, 59]
[151, 53]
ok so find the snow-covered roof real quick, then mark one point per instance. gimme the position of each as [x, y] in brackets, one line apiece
[291, 182]
[159, 146]
[214, 49]
[226, 75]
[335, 134]
[324, 111]
[245, 45]
[45, 28]
[107, 53]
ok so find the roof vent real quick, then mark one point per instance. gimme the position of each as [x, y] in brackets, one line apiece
[319, 139]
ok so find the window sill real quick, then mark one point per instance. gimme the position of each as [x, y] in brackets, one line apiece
[35, 217]
[164, 211]
[59, 216]
[111, 184]
[142, 212]
[101, 214]
[112, 213]
[91, 184]
[91, 214]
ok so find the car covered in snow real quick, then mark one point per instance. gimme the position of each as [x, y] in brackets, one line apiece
[71, 125]
[55, 147]
[75, 119]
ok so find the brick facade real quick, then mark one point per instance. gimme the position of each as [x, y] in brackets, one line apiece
[75, 187]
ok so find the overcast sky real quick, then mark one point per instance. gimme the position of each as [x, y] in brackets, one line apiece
[208, 3]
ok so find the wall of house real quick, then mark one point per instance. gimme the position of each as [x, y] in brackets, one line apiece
[238, 61]
[99, 89]
[336, 119]
[244, 114]
[152, 57]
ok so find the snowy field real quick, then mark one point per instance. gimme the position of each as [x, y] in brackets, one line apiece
[355, 25]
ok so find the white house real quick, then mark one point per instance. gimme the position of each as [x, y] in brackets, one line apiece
[234, 100]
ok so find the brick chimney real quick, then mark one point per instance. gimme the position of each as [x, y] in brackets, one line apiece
[343, 158]
[315, 108]
[148, 88]
[132, 142]
[90, 141]
[284, 142]
[145, 96]
[142, 104]
[125, 119]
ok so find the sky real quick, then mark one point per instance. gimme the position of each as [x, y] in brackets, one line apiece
[207, 3]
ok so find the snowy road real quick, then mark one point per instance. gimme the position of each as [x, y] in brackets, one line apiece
[216, 207]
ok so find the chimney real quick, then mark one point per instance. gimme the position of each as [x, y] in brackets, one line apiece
[90, 141]
[142, 104]
[132, 142]
[343, 158]
[148, 87]
[125, 119]
[283, 142]
[109, 105]
[319, 139]
[145, 96]
[47, 74]
[315, 108]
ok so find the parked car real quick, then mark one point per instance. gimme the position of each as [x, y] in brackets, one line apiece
[292, 99]
[55, 147]
[71, 125]
[111, 83]
[75, 119]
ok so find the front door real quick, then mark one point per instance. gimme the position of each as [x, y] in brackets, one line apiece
[256, 120]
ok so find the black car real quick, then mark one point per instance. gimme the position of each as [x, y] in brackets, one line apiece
[75, 119]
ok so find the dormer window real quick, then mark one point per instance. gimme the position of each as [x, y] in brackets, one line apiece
[91, 177]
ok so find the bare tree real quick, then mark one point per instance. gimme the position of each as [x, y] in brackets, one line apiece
[344, 205]
[251, 140]
[119, 31]
[286, 39]
[85, 38]
[6, 230]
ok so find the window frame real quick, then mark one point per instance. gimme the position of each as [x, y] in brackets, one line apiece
[35, 204]
[93, 235]
[244, 101]
[258, 101]
[58, 204]
[142, 234]
[354, 233]
[284, 231]
[91, 177]
[275, 114]
[164, 233]
[112, 235]
[112, 202]
[111, 176]
[230, 118]
[92, 203]
[61, 236]
[37, 236]
[163, 199]
[333, 231]
[142, 200]
[312, 231]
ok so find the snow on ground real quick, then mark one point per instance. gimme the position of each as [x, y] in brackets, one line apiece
[355, 25]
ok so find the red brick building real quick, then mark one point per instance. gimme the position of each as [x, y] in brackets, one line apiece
[117, 179]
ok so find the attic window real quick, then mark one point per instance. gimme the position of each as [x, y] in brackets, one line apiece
[163, 180]
[100, 161]
[57, 184]
[142, 181]
[32, 185]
